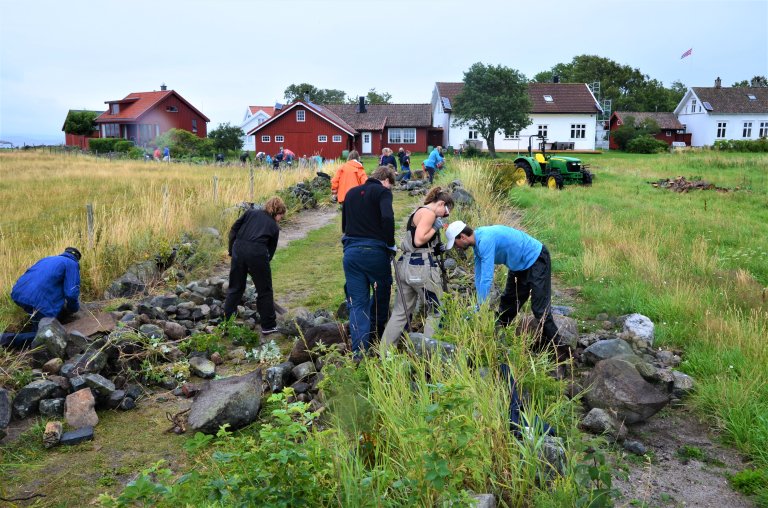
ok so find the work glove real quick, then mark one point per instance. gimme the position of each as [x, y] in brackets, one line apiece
[438, 225]
[439, 249]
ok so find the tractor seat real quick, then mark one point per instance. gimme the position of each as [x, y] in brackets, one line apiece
[540, 159]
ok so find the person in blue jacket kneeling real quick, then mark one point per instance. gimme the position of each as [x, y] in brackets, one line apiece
[50, 288]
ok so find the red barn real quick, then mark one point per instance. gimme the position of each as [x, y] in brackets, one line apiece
[328, 130]
[142, 116]
[671, 128]
[80, 140]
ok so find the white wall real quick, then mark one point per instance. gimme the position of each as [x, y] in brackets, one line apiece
[250, 121]
[703, 127]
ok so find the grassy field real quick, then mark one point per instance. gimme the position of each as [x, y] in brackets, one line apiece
[695, 263]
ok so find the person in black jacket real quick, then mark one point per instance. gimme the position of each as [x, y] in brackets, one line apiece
[368, 224]
[252, 244]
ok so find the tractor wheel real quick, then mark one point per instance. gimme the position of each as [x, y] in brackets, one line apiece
[586, 177]
[519, 178]
[528, 173]
[555, 182]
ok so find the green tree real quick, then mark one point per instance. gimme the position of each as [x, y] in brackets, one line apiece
[631, 130]
[317, 95]
[628, 88]
[755, 82]
[184, 144]
[373, 97]
[80, 122]
[227, 137]
[493, 99]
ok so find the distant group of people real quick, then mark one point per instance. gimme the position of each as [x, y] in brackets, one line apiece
[435, 161]
[166, 154]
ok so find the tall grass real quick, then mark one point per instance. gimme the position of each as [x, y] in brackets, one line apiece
[139, 208]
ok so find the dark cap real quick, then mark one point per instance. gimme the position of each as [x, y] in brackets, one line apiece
[74, 252]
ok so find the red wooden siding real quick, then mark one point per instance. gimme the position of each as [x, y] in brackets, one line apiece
[301, 137]
[380, 140]
[79, 140]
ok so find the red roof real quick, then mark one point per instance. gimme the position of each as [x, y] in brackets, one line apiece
[134, 105]
[270, 110]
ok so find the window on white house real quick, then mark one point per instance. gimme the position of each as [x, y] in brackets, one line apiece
[472, 135]
[336, 139]
[747, 133]
[406, 135]
[542, 131]
[512, 135]
[322, 139]
[693, 105]
[115, 109]
[300, 115]
[279, 139]
[578, 131]
[194, 125]
[721, 129]
[265, 139]
[172, 109]
[764, 129]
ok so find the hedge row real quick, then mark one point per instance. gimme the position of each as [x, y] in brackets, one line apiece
[742, 145]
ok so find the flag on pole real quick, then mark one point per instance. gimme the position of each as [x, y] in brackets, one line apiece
[687, 53]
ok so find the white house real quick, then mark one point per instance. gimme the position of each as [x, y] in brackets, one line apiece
[564, 113]
[254, 116]
[716, 113]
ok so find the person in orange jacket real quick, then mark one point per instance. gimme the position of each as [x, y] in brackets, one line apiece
[351, 174]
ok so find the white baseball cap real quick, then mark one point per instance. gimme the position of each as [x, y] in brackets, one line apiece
[454, 229]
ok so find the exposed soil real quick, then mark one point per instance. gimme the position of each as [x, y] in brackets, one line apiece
[669, 476]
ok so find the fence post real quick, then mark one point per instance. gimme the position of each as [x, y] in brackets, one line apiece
[215, 188]
[89, 218]
[251, 183]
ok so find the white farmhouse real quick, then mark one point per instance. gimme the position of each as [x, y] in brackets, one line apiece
[565, 113]
[716, 113]
[254, 116]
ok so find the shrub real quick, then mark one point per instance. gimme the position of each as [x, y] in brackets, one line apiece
[646, 144]
[124, 146]
[742, 145]
[103, 145]
[472, 151]
[185, 144]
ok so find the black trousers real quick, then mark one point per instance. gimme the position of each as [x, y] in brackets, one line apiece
[251, 259]
[536, 283]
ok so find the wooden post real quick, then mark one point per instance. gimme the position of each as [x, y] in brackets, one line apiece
[251, 183]
[89, 218]
[215, 188]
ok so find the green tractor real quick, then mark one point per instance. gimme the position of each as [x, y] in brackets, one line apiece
[554, 171]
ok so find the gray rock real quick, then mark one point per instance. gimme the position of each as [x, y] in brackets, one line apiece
[567, 328]
[648, 371]
[152, 331]
[682, 384]
[667, 358]
[235, 400]
[51, 339]
[77, 436]
[426, 347]
[304, 370]
[133, 391]
[76, 343]
[600, 421]
[300, 387]
[52, 408]
[563, 310]
[278, 376]
[635, 447]
[324, 335]
[483, 501]
[462, 197]
[202, 367]
[603, 349]
[640, 326]
[28, 399]
[616, 385]
[127, 404]
[53, 366]
[174, 330]
[164, 301]
[78, 383]
[5, 408]
[90, 362]
[133, 281]
[115, 398]
[79, 409]
[100, 384]
[295, 322]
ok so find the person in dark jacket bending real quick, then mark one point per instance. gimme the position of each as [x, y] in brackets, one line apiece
[49, 288]
[252, 244]
[368, 224]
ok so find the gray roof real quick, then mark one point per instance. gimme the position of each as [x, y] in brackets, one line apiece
[665, 120]
[379, 116]
[566, 97]
[734, 100]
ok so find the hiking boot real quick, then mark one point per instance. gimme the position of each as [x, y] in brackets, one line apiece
[268, 331]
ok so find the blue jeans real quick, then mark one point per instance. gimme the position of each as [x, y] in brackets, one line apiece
[368, 285]
[406, 170]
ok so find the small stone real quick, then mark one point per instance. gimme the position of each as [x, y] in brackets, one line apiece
[79, 409]
[52, 408]
[52, 434]
[77, 436]
[168, 383]
[127, 404]
[115, 398]
[300, 387]
[76, 343]
[682, 385]
[216, 358]
[63, 382]
[100, 384]
[304, 370]
[635, 447]
[189, 390]
[152, 331]
[484, 501]
[53, 366]
[5, 408]
[133, 391]
[202, 367]
[78, 383]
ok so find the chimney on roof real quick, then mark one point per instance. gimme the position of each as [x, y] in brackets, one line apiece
[361, 105]
[555, 79]
[163, 87]
[306, 95]
[718, 82]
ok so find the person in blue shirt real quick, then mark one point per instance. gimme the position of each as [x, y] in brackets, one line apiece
[166, 154]
[530, 274]
[50, 288]
[434, 162]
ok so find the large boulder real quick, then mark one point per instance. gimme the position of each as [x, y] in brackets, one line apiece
[325, 335]
[235, 400]
[615, 384]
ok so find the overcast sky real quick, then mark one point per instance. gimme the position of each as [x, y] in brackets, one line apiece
[224, 55]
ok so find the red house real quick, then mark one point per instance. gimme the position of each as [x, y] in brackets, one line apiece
[142, 116]
[327, 130]
[671, 128]
[79, 140]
